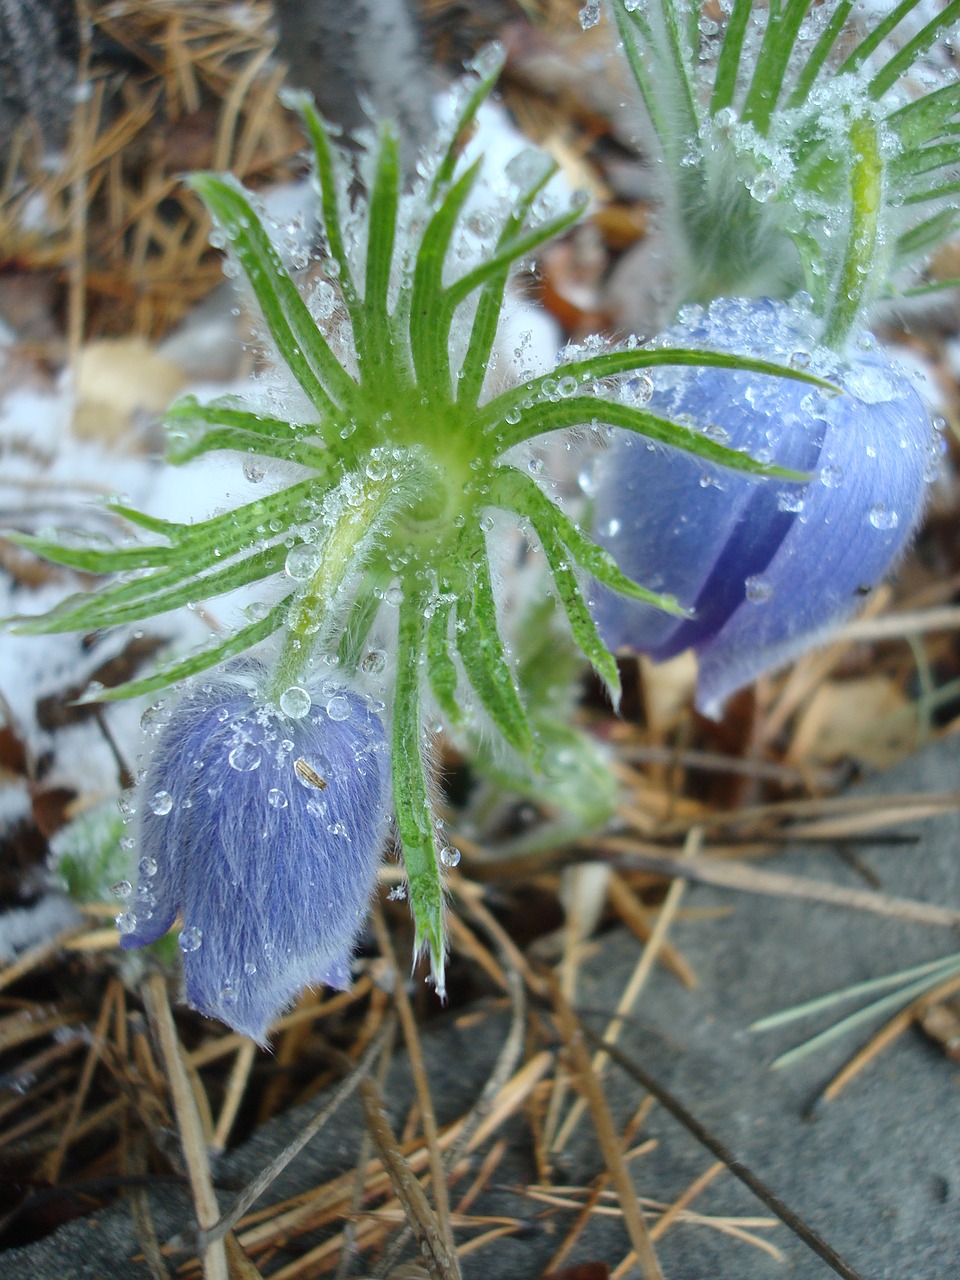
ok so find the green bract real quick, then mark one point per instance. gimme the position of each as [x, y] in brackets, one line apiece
[800, 153]
[396, 469]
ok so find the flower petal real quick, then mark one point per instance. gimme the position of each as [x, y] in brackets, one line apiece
[274, 856]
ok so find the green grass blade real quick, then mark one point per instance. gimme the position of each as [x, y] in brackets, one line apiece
[299, 341]
[183, 669]
[410, 796]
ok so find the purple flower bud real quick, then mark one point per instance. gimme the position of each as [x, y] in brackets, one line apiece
[265, 832]
[768, 567]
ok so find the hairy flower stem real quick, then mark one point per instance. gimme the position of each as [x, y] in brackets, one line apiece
[859, 275]
[360, 509]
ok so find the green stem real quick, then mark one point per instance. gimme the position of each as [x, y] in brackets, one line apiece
[355, 513]
[859, 274]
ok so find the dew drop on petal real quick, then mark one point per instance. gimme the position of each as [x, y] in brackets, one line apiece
[276, 799]
[831, 477]
[295, 702]
[790, 501]
[127, 922]
[249, 969]
[190, 939]
[228, 993]
[758, 590]
[122, 889]
[338, 707]
[245, 757]
[882, 517]
[161, 803]
[148, 867]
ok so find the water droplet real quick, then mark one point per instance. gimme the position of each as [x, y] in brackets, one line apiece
[449, 856]
[228, 993]
[790, 500]
[373, 662]
[147, 867]
[154, 718]
[883, 517]
[393, 596]
[512, 416]
[302, 561]
[612, 528]
[295, 702]
[253, 472]
[590, 14]
[758, 590]
[276, 798]
[126, 923]
[763, 187]
[338, 707]
[567, 386]
[256, 610]
[245, 757]
[249, 968]
[122, 890]
[161, 803]
[831, 477]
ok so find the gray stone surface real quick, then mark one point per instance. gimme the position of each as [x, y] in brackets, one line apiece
[877, 1173]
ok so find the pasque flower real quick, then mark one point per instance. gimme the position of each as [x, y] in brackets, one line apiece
[264, 833]
[766, 566]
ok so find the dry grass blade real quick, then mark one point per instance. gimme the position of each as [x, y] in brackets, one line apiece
[188, 1120]
[728, 874]
[441, 1261]
[573, 1039]
[701, 1134]
[216, 1230]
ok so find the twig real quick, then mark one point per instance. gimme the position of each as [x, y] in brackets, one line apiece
[441, 1261]
[573, 1040]
[188, 1120]
[736, 1166]
[218, 1229]
[236, 1084]
[728, 874]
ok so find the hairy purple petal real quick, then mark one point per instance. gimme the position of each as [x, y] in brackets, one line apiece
[767, 567]
[265, 832]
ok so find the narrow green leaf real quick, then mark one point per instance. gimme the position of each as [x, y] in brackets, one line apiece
[582, 627]
[429, 329]
[923, 120]
[114, 606]
[381, 230]
[479, 94]
[728, 64]
[611, 363]
[184, 668]
[514, 491]
[778, 43]
[410, 796]
[201, 439]
[583, 410]
[91, 559]
[913, 50]
[919, 160]
[228, 411]
[505, 256]
[819, 54]
[329, 207]
[925, 236]
[299, 341]
[441, 669]
[486, 319]
[363, 612]
[485, 661]
[875, 37]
